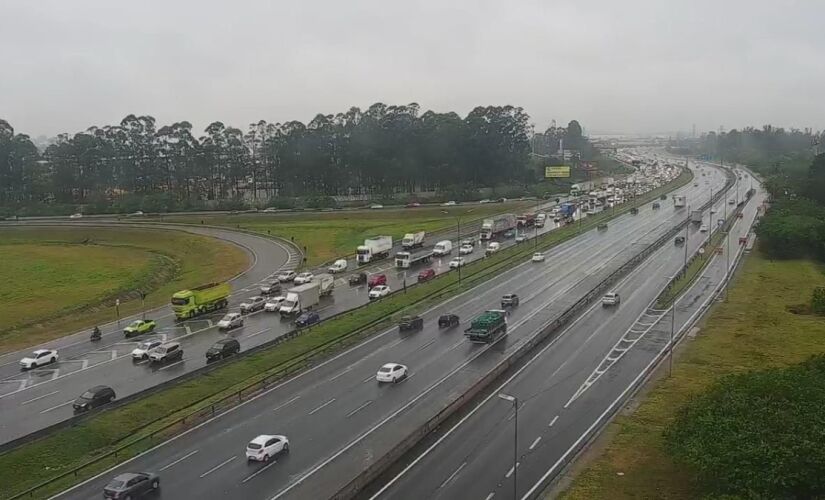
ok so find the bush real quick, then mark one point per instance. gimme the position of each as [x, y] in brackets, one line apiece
[758, 434]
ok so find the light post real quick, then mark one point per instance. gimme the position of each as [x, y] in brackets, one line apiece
[458, 237]
[514, 401]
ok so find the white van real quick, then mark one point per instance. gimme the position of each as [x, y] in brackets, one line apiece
[443, 248]
[492, 248]
[338, 266]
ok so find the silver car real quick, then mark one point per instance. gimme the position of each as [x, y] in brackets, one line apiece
[252, 304]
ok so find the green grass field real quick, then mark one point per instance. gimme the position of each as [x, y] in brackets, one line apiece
[62, 280]
[328, 235]
[752, 331]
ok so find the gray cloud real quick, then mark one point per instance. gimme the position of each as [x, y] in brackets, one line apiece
[635, 65]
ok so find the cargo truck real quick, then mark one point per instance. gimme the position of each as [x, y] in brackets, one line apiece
[486, 328]
[696, 216]
[300, 298]
[413, 240]
[200, 300]
[678, 201]
[406, 260]
[377, 247]
[525, 220]
[490, 228]
[326, 283]
[567, 210]
[541, 219]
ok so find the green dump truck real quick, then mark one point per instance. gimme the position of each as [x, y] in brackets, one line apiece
[486, 328]
[200, 300]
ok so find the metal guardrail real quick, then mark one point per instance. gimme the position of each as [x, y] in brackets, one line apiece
[147, 440]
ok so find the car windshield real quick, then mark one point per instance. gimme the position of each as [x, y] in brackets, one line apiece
[115, 484]
[179, 302]
[87, 395]
[135, 323]
[160, 350]
[254, 446]
[146, 345]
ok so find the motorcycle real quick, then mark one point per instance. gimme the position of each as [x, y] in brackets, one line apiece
[96, 334]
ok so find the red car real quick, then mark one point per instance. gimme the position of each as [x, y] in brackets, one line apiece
[426, 274]
[377, 279]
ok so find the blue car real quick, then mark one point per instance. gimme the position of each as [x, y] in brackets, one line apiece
[308, 318]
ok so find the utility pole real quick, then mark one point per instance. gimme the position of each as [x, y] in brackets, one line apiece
[514, 401]
[672, 329]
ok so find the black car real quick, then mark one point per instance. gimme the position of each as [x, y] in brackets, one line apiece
[634, 211]
[307, 319]
[663, 197]
[680, 240]
[223, 348]
[411, 323]
[357, 279]
[94, 397]
[509, 300]
[131, 485]
[448, 320]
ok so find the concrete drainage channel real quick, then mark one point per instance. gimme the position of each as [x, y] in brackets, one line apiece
[398, 452]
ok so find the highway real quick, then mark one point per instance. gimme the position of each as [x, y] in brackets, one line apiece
[565, 391]
[33, 400]
[339, 420]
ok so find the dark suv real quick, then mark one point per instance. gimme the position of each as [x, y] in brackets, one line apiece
[509, 300]
[94, 397]
[411, 323]
[223, 348]
[131, 485]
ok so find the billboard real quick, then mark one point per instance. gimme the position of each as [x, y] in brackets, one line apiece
[557, 171]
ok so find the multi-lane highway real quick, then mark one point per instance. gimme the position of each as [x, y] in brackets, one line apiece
[339, 420]
[566, 390]
[33, 400]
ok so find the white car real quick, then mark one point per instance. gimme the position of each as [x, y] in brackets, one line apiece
[521, 238]
[274, 304]
[465, 249]
[376, 206]
[450, 203]
[379, 291]
[538, 257]
[265, 446]
[492, 248]
[252, 304]
[230, 320]
[142, 349]
[285, 276]
[703, 228]
[338, 266]
[269, 210]
[76, 216]
[391, 372]
[303, 278]
[457, 262]
[485, 200]
[39, 357]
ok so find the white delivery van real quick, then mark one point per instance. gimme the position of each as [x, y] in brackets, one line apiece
[442, 248]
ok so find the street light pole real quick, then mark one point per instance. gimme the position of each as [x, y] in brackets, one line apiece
[514, 401]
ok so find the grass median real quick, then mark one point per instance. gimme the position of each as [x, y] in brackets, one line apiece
[66, 279]
[129, 428]
[753, 330]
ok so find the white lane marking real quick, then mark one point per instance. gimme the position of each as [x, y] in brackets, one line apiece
[181, 459]
[257, 333]
[342, 373]
[454, 474]
[265, 467]
[173, 364]
[284, 404]
[213, 469]
[428, 344]
[57, 406]
[534, 443]
[353, 412]
[553, 421]
[38, 398]
[510, 472]
[323, 405]
[490, 496]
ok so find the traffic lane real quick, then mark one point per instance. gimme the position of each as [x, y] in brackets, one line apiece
[305, 408]
[267, 257]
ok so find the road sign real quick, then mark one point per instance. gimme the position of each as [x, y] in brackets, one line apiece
[559, 171]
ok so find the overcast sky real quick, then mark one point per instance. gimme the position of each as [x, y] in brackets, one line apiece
[624, 66]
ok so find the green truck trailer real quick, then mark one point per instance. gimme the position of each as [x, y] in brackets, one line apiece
[200, 300]
[487, 327]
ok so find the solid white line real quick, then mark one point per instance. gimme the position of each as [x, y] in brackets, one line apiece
[38, 398]
[181, 459]
[213, 469]
[553, 421]
[454, 474]
[58, 406]
[284, 404]
[323, 405]
[173, 364]
[535, 443]
[342, 374]
[353, 412]
[265, 467]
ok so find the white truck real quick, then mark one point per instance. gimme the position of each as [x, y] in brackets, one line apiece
[377, 247]
[413, 240]
[326, 282]
[490, 228]
[406, 260]
[679, 201]
[541, 218]
[300, 298]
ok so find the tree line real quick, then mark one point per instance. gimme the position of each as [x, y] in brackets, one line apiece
[380, 151]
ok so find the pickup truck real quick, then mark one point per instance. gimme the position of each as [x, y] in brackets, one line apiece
[139, 327]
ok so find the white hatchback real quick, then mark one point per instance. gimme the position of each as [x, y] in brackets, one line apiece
[465, 249]
[274, 304]
[391, 372]
[538, 257]
[303, 278]
[379, 291]
[266, 446]
[142, 349]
